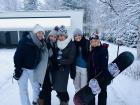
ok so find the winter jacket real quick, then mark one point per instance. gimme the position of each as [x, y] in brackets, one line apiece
[52, 61]
[50, 72]
[62, 72]
[40, 70]
[98, 64]
[53, 58]
[27, 54]
[84, 44]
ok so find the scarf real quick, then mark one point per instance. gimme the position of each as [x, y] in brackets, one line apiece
[63, 44]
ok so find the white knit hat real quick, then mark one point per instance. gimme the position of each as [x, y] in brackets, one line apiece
[38, 28]
[77, 31]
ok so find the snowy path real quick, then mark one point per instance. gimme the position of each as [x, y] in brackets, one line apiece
[114, 98]
[9, 95]
[123, 90]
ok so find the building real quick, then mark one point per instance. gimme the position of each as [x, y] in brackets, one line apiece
[13, 25]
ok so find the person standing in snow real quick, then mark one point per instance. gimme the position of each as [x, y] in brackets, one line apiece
[28, 63]
[65, 57]
[82, 45]
[98, 65]
[45, 93]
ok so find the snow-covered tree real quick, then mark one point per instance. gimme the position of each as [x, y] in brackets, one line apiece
[30, 5]
[89, 10]
[52, 4]
[8, 5]
[120, 17]
[138, 47]
[74, 4]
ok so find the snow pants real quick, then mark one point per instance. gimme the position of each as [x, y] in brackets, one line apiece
[23, 87]
[81, 78]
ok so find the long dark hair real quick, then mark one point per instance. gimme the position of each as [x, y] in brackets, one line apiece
[84, 44]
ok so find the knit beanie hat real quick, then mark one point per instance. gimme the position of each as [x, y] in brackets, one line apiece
[93, 36]
[62, 31]
[38, 28]
[54, 31]
[77, 31]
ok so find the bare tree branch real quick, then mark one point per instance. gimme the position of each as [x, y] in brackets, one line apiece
[110, 5]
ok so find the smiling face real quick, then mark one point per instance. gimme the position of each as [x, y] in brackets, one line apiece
[40, 35]
[77, 38]
[53, 38]
[95, 42]
[61, 37]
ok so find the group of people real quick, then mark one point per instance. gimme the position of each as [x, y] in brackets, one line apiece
[48, 61]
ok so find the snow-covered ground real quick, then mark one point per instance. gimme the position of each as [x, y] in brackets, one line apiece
[124, 90]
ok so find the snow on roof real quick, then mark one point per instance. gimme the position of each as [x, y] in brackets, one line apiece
[29, 23]
[21, 20]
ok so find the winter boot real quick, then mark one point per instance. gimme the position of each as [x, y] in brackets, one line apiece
[40, 102]
[35, 103]
[63, 103]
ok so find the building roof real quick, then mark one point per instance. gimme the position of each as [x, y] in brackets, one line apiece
[25, 20]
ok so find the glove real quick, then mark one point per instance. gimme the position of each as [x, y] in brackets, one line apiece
[17, 74]
[94, 85]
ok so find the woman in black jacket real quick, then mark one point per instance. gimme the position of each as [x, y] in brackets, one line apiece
[82, 46]
[26, 60]
[98, 67]
[65, 58]
[45, 93]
